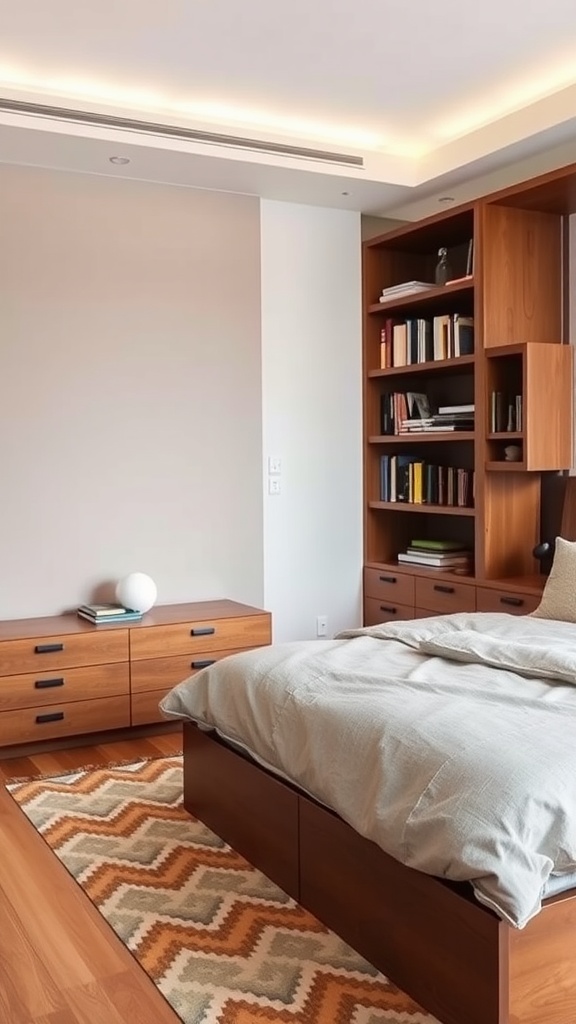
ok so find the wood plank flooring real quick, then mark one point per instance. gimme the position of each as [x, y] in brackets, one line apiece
[60, 963]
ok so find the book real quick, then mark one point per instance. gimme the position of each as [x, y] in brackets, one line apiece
[437, 545]
[442, 555]
[97, 610]
[450, 409]
[107, 619]
[434, 563]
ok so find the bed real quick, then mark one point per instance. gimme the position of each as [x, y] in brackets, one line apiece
[464, 960]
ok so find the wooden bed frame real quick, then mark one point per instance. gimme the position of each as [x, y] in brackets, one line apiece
[429, 936]
[432, 938]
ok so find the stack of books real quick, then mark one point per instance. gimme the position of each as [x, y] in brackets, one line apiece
[398, 291]
[107, 613]
[447, 555]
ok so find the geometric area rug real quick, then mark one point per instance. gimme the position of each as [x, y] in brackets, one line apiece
[223, 944]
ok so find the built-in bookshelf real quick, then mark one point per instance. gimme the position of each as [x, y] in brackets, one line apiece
[467, 392]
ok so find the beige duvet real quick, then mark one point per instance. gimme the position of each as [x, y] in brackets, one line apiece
[449, 741]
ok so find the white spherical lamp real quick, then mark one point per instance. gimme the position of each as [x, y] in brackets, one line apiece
[136, 591]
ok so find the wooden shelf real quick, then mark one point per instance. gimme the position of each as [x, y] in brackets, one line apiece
[406, 506]
[432, 298]
[423, 436]
[437, 366]
[506, 435]
[506, 465]
[516, 298]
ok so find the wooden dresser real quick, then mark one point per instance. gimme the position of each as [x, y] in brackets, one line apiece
[399, 593]
[61, 676]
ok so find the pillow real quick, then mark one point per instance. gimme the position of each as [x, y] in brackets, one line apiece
[559, 597]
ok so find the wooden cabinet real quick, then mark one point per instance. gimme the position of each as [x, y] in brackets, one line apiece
[164, 653]
[444, 593]
[61, 676]
[528, 407]
[463, 484]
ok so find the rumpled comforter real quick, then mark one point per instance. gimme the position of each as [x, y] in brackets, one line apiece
[449, 741]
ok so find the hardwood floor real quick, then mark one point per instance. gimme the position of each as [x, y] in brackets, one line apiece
[60, 963]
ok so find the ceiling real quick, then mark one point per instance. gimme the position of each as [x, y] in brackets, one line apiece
[393, 106]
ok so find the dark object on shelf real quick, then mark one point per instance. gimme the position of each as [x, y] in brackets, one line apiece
[543, 550]
[443, 271]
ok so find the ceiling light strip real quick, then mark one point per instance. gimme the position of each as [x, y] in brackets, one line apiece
[175, 132]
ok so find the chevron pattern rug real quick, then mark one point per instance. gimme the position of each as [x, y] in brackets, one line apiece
[223, 944]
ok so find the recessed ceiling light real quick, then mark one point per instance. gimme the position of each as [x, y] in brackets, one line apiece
[119, 160]
[345, 193]
[446, 199]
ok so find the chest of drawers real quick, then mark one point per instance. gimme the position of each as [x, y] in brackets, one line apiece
[391, 592]
[61, 676]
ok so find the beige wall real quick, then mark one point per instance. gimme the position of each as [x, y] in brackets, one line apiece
[130, 391]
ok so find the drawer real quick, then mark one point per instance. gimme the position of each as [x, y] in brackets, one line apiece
[145, 708]
[376, 611]
[37, 689]
[32, 725]
[156, 673]
[390, 585]
[36, 654]
[444, 597]
[200, 637]
[489, 600]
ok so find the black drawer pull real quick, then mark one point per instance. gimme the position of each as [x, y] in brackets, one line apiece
[391, 611]
[387, 579]
[48, 648]
[203, 663]
[54, 716]
[45, 684]
[202, 630]
[516, 602]
[443, 589]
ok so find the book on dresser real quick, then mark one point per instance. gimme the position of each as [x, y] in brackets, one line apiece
[108, 613]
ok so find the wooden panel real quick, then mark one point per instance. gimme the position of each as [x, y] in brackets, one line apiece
[511, 523]
[250, 809]
[52, 651]
[389, 586]
[70, 719]
[548, 391]
[444, 597]
[378, 610]
[489, 600]
[232, 633]
[542, 965]
[40, 688]
[435, 944]
[522, 276]
[158, 673]
[144, 706]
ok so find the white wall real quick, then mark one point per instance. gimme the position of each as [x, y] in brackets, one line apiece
[139, 400]
[311, 404]
[130, 390]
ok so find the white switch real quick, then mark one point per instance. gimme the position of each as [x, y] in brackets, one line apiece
[273, 485]
[274, 466]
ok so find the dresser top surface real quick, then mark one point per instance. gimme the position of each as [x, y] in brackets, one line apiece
[161, 615]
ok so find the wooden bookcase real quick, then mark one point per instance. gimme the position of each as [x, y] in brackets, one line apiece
[515, 297]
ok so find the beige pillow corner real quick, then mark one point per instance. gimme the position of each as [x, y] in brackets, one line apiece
[559, 595]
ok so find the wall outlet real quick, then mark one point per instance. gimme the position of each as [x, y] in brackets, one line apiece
[274, 466]
[274, 486]
[322, 625]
